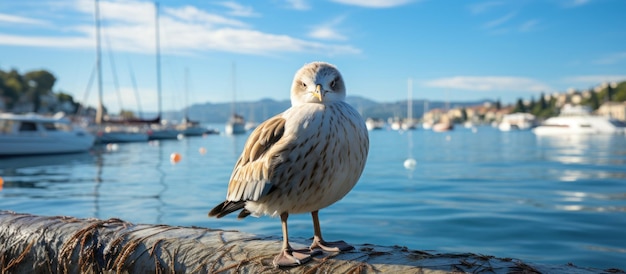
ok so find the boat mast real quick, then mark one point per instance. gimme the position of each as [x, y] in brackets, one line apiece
[409, 104]
[234, 83]
[186, 94]
[158, 55]
[99, 108]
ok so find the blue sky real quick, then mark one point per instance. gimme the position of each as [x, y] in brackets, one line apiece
[453, 50]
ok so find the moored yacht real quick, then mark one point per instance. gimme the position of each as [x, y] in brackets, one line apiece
[374, 123]
[578, 120]
[517, 121]
[33, 134]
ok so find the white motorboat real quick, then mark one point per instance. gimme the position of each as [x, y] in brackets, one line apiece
[395, 124]
[374, 124]
[33, 134]
[192, 128]
[235, 125]
[578, 120]
[517, 121]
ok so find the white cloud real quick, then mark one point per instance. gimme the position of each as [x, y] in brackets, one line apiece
[299, 4]
[193, 16]
[612, 59]
[489, 83]
[498, 22]
[374, 3]
[529, 25]
[249, 41]
[576, 3]
[483, 7]
[594, 79]
[120, 12]
[7, 18]
[129, 26]
[239, 10]
[47, 41]
[326, 33]
[328, 30]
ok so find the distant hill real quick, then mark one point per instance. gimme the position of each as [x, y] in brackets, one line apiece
[258, 111]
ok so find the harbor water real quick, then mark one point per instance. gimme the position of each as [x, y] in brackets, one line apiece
[553, 200]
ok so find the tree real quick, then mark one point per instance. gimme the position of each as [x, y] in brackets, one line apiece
[609, 93]
[463, 115]
[539, 107]
[593, 101]
[542, 102]
[531, 105]
[519, 106]
[63, 97]
[13, 87]
[40, 82]
[620, 92]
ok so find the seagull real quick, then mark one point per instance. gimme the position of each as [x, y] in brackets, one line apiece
[301, 160]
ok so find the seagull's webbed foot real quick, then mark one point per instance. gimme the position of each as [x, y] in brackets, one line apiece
[337, 246]
[294, 257]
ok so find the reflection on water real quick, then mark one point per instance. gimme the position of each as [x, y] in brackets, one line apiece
[17, 162]
[162, 176]
[556, 200]
[97, 183]
[580, 149]
[41, 171]
[594, 202]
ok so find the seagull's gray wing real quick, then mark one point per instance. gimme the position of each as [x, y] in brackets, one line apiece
[250, 179]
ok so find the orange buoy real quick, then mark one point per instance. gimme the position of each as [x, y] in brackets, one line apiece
[202, 150]
[175, 157]
[1, 183]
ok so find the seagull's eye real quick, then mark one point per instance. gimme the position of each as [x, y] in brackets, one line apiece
[332, 84]
[302, 84]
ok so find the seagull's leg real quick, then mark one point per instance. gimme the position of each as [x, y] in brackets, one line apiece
[319, 242]
[288, 256]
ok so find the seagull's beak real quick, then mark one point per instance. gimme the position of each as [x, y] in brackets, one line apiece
[318, 92]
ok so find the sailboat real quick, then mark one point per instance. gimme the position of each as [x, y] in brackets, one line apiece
[398, 123]
[409, 124]
[426, 124]
[236, 124]
[160, 131]
[189, 127]
[109, 131]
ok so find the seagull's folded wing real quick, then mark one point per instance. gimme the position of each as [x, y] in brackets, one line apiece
[251, 176]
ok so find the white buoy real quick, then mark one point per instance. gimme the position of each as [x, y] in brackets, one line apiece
[410, 163]
[112, 147]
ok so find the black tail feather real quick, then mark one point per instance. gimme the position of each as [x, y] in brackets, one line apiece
[244, 213]
[226, 208]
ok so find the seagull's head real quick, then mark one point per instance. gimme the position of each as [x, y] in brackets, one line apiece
[317, 82]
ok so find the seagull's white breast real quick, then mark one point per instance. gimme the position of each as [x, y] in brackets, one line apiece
[318, 160]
